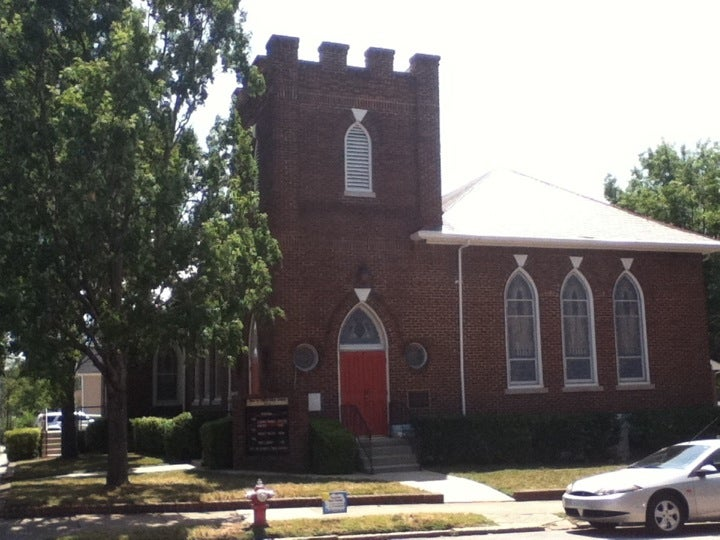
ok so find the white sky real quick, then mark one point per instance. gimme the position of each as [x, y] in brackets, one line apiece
[563, 90]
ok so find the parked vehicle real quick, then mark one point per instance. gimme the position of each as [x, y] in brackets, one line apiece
[675, 485]
[52, 420]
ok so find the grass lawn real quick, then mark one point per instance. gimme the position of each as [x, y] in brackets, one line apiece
[297, 527]
[512, 480]
[39, 483]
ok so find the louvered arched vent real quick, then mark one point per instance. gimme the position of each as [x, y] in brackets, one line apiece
[358, 160]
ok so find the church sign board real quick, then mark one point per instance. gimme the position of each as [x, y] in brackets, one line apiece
[267, 426]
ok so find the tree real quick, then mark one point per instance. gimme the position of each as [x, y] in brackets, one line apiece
[22, 396]
[123, 234]
[680, 187]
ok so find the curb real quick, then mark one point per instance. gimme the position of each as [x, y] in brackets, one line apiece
[474, 531]
[538, 495]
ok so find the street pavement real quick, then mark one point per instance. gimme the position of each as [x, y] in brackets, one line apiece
[460, 496]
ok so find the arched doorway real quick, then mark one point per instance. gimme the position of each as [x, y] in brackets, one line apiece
[363, 368]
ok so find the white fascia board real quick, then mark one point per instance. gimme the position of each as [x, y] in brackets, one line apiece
[439, 238]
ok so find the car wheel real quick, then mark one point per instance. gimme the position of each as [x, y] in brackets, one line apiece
[665, 514]
[602, 526]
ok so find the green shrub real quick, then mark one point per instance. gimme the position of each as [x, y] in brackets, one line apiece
[217, 443]
[148, 435]
[182, 439]
[515, 439]
[22, 443]
[575, 438]
[447, 440]
[332, 448]
[96, 436]
[651, 430]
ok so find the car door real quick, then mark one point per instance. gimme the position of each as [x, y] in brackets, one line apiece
[707, 490]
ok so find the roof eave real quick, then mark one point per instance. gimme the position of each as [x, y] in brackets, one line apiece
[440, 238]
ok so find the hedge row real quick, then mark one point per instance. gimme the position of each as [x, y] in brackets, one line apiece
[217, 443]
[176, 440]
[651, 430]
[332, 448]
[22, 443]
[555, 439]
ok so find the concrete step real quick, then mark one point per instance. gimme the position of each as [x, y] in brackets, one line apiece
[51, 444]
[389, 454]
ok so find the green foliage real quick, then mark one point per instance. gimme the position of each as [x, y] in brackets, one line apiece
[182, 439]
[119, 233]
[96, 436]
[575, 438]
[23, 443]
[24, 395]
[655, 429]
[217, 443]
[149, 435]
[515, 439]
[332, 448]
[680, 187]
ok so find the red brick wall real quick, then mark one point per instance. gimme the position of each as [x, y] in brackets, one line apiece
[326, 237]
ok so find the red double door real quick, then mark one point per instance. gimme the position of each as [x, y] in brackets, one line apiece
[363, 383]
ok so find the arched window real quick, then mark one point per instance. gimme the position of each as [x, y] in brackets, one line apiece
[630, 331]
[168, 376]
[360, 331]
[522, 331]
[577, 331]
[358, 161]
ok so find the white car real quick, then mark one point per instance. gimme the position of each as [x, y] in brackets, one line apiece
[665, 490]
[52, 420]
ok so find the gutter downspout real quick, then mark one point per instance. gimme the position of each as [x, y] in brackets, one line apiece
[461, 329]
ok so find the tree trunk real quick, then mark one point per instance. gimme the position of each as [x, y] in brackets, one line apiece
[66, 379]
[69, 441]
[117, 419]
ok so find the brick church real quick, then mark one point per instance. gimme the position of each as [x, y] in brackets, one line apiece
[507, 295]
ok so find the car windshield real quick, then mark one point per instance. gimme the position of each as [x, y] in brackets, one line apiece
[672, 457]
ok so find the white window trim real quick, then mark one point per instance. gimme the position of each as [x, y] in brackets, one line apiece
[357, 190]
[593, 381]
[643, 337]
[537, 384]
[179, 394]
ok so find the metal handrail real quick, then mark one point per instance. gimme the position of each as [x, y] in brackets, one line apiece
[400, 413]
[354, 421]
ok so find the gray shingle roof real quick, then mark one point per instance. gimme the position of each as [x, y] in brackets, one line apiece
[506, 208]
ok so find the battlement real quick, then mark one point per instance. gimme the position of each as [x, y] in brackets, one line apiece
[283, 50]
[301, 124]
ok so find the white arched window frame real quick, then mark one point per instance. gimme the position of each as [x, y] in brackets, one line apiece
[358, 161]
[168, 376]
[630, 331]
[578, 331]
[522, 332]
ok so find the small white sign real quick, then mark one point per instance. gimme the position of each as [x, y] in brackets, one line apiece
[314, 402]
[337, 503]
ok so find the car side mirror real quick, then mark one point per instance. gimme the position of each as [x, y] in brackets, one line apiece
[707, 469]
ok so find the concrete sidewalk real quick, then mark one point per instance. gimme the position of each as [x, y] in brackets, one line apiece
[453, 488]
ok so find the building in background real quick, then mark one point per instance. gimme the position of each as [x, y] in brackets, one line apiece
[89, 389]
